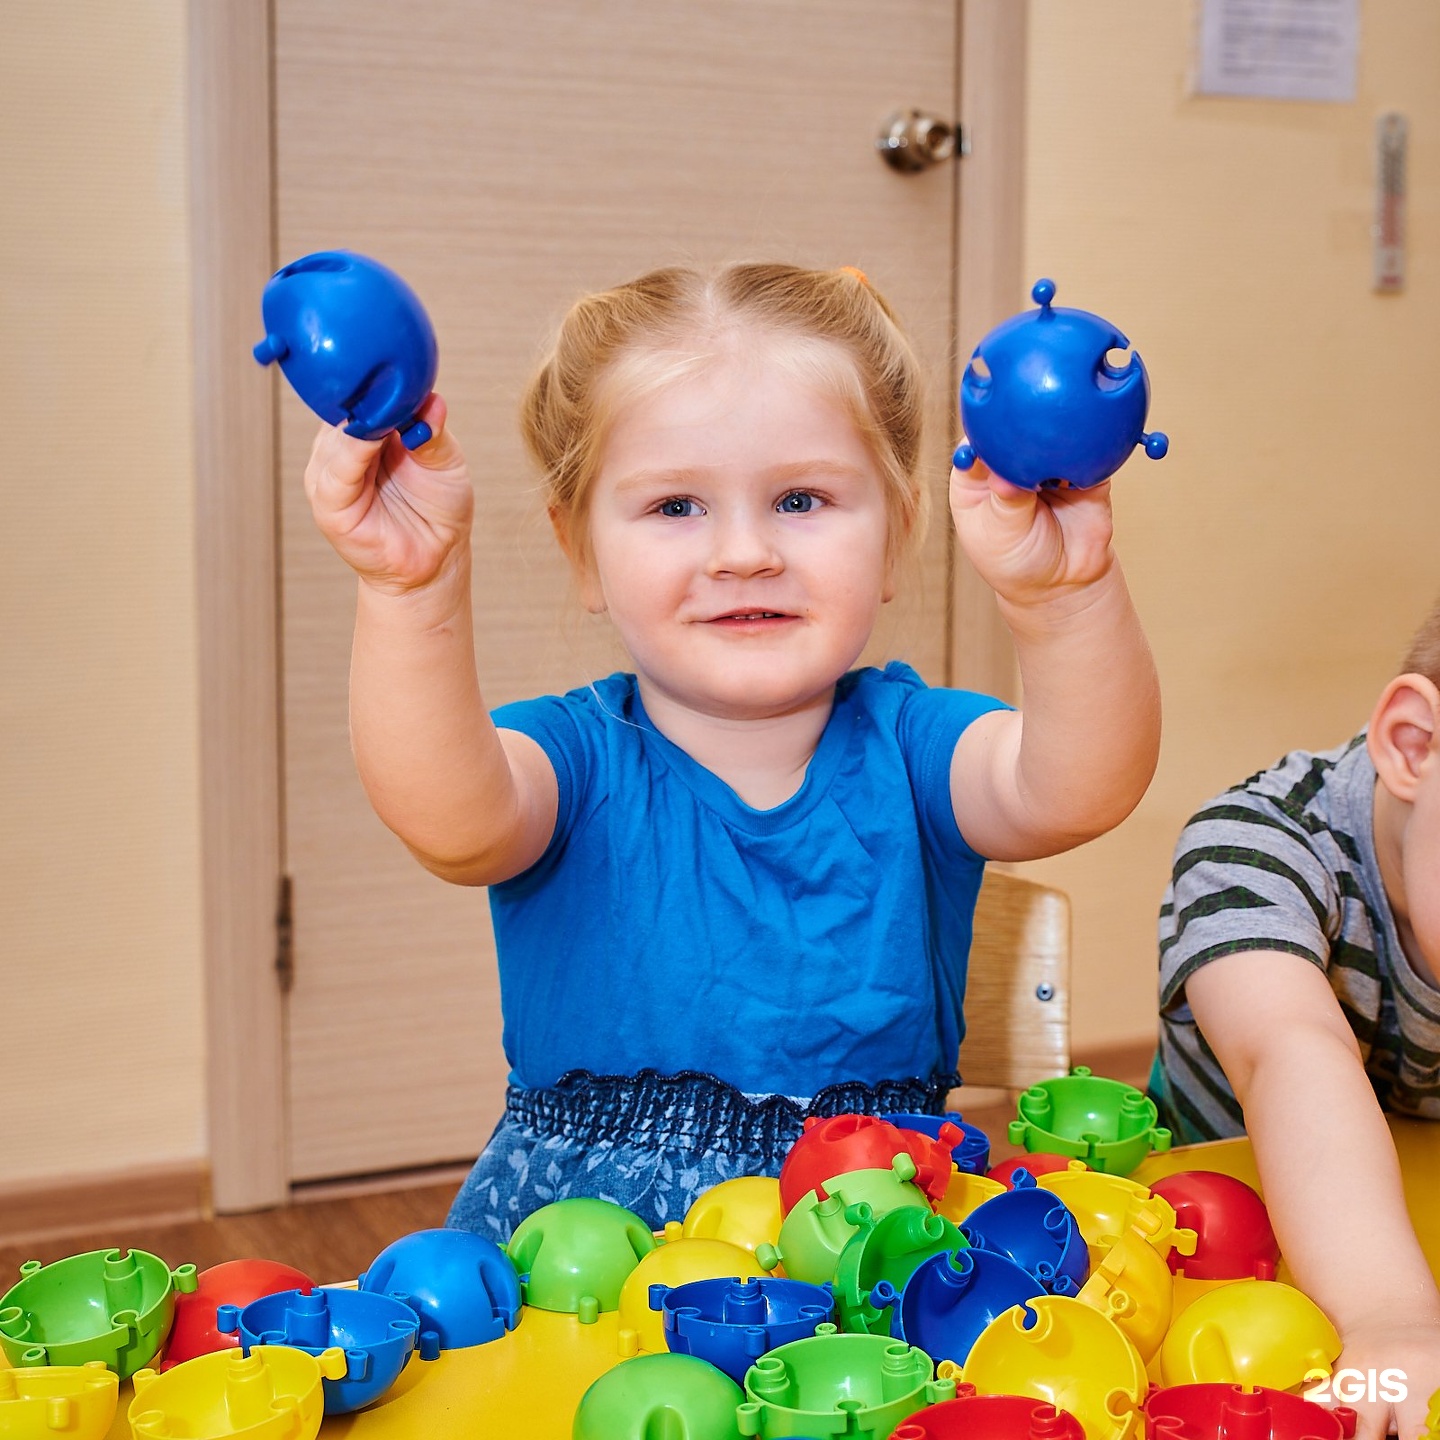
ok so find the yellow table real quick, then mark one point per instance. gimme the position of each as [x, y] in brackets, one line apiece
[530, 1382]
[1417, 1143]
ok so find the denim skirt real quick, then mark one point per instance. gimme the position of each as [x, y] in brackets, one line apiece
[651, 1142]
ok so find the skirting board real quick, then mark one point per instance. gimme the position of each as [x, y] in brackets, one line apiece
[76, 1204]
[81, 1204]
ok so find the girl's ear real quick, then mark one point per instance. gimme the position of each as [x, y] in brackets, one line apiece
[895, 553]
[1403, 734]
[888, 585]
[582, 564]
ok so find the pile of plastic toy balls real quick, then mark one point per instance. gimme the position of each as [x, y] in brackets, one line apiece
[890, 1283]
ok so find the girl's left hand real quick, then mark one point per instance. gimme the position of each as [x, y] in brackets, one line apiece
[1031, 546]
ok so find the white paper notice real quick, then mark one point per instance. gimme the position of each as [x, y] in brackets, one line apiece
[1279, 49]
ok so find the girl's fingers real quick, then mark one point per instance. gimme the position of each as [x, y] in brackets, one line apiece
[433, 412]
[339, 465]
[439, 452]
[1012, 497]
[1068, 496]
[977, 484]
[969, 488]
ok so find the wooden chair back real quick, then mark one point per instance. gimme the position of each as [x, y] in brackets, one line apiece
[1017, 996]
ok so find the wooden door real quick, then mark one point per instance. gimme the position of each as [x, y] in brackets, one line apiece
[505, 158]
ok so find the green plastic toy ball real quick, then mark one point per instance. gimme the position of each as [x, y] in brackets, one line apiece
[660, 1397]
[859, 1386]
[109, 1305]
[1109, 1125]
[574, 1255]
[817, 1230]
[890, 1248]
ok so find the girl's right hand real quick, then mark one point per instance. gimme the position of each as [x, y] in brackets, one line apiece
[397, 517]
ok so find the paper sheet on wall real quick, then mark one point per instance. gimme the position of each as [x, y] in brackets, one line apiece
[1278, 49]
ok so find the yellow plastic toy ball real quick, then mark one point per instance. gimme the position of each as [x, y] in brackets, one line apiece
[675, 1263]
[1109, 1205]
[74, 1401]
[965, 1193]
[1251, 1332]
[1432, 1419]
[1070, 1356]
[273, 1393]
[1132, 1284]
[745, 1211]
[1188, 1291]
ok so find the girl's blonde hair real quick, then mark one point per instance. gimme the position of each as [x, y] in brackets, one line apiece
[617, 345]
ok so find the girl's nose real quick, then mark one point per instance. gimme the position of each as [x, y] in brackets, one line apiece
[742, 547]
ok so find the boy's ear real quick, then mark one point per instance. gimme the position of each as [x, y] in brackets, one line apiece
[582, 566]
[1404, 733]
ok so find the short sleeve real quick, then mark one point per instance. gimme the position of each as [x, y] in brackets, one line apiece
[1246, 878]
[562, 729]
[931, 722]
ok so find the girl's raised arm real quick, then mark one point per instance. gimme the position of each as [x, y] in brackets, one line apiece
[475, 805]
[1077, 758]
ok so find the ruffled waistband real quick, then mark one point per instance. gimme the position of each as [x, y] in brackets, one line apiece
[693, 1110]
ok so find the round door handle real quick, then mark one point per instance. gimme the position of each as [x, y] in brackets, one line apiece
[912, 140]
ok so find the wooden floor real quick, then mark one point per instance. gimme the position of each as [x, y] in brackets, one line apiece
[327, 1239]
[336, 1238]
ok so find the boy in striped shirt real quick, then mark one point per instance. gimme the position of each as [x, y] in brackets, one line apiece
[1300, 998]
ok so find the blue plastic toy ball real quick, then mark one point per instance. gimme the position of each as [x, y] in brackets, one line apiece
[951, 1298]
[732, 1323]
[354, 341]
[1042, 403]
[971, 1155]
[1033, 1228]
[462, 1286]
[377, 1333]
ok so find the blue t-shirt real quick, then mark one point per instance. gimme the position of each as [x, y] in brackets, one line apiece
[671, 926]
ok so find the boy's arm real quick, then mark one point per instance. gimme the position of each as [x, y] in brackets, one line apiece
[474, 805]
[1078, 758]
[1327, 1167]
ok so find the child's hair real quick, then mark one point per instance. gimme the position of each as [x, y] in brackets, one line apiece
[620, 344]
[1423, 656]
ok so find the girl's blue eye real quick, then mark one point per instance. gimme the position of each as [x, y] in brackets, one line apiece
[798, 502]
[678, 508]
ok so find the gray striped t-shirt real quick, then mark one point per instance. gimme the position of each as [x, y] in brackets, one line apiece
[1286, 861]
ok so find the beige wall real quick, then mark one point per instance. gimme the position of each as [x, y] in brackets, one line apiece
[101, 1063]
[1279, 556]
[1283, 552]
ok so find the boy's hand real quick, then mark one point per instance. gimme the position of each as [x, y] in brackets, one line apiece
[395, 516]
[1410, 1346]
[1031, 545]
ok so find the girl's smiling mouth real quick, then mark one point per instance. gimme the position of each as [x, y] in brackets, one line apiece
[751, 619]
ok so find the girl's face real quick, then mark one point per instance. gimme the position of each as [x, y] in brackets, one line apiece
[738, 537]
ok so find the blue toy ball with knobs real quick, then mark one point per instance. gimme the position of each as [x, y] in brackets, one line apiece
[1041, 403]
[354, 341]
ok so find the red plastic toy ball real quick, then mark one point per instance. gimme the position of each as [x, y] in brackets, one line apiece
[839, 1144]
[1235, 1240]
[1202, 1412]
[933, 1157]
[1040, 1163]
[990, 1417]
[234, 1282]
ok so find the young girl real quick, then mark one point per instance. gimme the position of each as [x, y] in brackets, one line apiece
[734, 887]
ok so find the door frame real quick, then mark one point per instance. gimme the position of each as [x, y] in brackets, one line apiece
[231, 76]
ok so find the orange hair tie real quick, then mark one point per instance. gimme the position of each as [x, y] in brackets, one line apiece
[858, 273]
